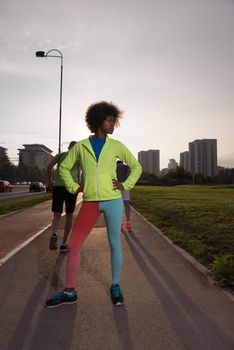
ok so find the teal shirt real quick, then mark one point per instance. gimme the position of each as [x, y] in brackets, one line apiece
[74, 171]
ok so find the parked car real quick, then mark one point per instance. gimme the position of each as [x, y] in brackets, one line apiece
[37, 187]
[5, 186]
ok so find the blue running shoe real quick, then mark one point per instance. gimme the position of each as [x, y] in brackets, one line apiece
[116, 295]
[61, 298]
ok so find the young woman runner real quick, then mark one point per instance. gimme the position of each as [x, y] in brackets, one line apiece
[101, 194]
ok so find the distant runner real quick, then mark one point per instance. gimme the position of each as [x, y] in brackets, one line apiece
[61, 196]
[123, 172]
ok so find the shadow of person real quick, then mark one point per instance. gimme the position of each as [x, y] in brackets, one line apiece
[121, 323]
[22, 330]
[49, 326]
[193, 327]
[54, 328]
[56, 282]
[50, 330]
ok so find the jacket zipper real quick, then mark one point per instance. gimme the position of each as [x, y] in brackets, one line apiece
[97, 188]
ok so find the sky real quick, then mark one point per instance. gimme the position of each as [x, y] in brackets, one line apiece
[167, 64]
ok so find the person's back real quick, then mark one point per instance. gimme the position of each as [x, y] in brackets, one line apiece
[57, 178]
[123, 172]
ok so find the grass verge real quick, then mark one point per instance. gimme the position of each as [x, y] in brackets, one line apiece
[198, 218]
[24, 203]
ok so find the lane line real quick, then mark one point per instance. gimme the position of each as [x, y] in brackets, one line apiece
[22, 245]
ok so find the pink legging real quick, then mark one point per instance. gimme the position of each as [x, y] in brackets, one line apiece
[86, 219]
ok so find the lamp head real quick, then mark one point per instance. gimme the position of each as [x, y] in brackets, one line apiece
[40, 54]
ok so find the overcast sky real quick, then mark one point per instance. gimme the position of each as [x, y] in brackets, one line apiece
[167, 63]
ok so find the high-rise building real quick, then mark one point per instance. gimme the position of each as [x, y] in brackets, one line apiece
[35, 155]
[3, 153]
[149, 161]
[184, 160]
[172, 164]
[203, 157]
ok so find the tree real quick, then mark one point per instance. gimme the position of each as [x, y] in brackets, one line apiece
[21, 173]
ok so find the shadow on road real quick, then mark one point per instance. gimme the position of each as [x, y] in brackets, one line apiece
[21, 332]
[121, 322]
[52, 329]
[56, 282]
[182, 313]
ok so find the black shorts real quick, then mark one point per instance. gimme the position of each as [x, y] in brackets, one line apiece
[61, 195]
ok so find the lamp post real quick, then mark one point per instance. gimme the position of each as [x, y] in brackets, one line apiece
[47, 54]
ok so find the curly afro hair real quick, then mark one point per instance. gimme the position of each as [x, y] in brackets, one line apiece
[98, 112]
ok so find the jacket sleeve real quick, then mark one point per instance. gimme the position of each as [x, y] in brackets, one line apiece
[127, 157]
[65, 169]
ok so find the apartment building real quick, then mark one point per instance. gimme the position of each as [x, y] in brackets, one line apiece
[203, 157]
[3, 153]
[172, 164]
[150, 161]
[35, 155]
[184, 160]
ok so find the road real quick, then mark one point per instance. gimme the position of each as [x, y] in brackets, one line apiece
[169, 304]
[18, 192]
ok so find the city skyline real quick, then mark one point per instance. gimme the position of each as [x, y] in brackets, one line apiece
[144, 156]
[167, 64]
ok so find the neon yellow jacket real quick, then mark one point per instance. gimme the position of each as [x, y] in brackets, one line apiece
[98, 176]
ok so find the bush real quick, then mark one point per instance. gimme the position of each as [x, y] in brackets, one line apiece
[223, 271]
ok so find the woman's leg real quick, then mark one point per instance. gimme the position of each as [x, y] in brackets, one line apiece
[86, 218]
[113, 211]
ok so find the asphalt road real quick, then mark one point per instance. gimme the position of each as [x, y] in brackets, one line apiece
[170, 304]
[18, 192]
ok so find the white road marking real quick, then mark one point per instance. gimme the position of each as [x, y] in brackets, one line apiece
[22, 245]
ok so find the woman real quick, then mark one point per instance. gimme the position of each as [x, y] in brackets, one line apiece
[101, 194]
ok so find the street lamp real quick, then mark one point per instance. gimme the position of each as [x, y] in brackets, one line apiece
[43, 54]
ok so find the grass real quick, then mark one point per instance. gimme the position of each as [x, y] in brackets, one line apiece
[198, 218]
[24, 203]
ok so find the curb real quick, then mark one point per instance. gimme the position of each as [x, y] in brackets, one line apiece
[11, 213]
[196, 264]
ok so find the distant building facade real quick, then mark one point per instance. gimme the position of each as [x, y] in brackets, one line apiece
[172, 164]
[203, 157]
[35, 155]
[3, 153]
[184, 160]
[150, 161]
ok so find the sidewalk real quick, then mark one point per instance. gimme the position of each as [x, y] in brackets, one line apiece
[170, 305]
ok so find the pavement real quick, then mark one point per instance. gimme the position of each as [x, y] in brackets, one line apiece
[170, 303]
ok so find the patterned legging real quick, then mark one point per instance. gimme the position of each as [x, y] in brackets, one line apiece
[87, 216]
